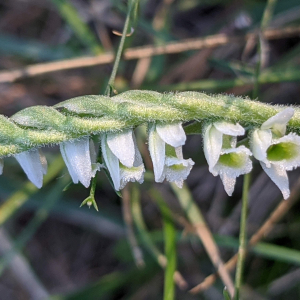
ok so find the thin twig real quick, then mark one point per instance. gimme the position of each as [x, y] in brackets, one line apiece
[141, 52]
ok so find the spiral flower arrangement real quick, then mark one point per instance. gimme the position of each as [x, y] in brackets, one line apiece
[81, 123]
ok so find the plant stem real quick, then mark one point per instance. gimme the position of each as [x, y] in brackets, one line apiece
[243, 236]
[111, 80]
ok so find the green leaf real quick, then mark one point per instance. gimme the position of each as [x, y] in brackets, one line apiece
[32, 49]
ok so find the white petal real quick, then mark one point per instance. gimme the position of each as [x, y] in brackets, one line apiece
[228, 182]
[76, 155]
[212, 144]
[112, 162]
[172, 134]
[229, 128]
[157, 150]
[278, 122]
[131, 174]
[279, 177]
[122, 146]
[1, 165]
[260, 142]
[31, 164]
[177, 170]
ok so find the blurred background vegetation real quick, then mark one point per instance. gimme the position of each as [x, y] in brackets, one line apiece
[55, 50]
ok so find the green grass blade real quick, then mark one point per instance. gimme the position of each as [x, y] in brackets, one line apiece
[39, 217]
[32, 49]
[170, 253]
[284, 75]
[83, 32]
[17, 199]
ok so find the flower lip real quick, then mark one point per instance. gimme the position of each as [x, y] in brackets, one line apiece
[236, 163]
[239, 164]
[177, 170]
[285, 151]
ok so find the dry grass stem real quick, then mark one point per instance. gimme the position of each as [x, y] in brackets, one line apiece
[283, 207]
[142, 52]
[127, 215]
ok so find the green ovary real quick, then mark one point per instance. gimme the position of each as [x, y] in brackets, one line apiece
[282, 151]
[233, 160]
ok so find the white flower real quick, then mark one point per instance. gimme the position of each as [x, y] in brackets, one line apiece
[34, 164]
[80, 157]
[276, 151]
[122, 158]
[165, 146]
[223, 157]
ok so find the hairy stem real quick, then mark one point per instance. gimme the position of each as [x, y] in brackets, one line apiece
[39, 126]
